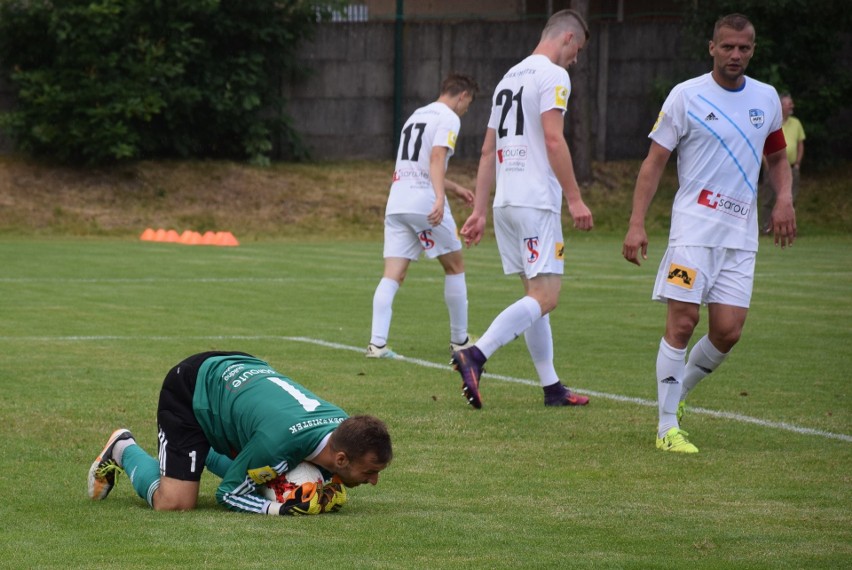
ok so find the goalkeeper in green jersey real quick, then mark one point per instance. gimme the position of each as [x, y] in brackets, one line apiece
[232, 413]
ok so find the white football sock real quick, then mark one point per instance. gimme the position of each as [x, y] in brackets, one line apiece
[455, 296]
[703, 359]
[509, 325]
[539, 339]
[383, 310]
[119, 447]
[670, 365]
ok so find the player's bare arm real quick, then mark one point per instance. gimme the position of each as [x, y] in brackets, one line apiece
[437, 164]
[559, 156]
[783, 215]
[636, 240]
[474, 227]
[459, 191]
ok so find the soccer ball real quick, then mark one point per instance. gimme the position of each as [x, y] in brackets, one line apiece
[280, 487]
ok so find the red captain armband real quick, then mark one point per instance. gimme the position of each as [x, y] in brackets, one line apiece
[774, 142]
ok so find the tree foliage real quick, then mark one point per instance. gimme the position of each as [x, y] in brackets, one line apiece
[105, 80]
[799, 45]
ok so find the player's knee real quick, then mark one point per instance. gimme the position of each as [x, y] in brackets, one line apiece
[165, 501]
[725, 340]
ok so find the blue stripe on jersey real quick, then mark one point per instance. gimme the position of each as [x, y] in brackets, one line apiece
[728, 150]
[739, 130]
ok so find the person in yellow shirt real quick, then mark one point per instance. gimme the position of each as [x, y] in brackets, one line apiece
[794, 134]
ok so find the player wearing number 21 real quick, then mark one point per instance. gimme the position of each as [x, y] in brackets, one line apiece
[233, 414]
[526, 155]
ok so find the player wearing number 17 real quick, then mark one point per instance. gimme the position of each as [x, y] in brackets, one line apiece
[525, 150]
[418, 220]
[233, 414]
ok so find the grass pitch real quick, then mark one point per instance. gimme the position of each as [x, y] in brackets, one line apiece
[91, 326]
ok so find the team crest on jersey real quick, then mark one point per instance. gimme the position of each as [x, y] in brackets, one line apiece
[561, 96]
[560, 251]
[681, 276]
[451, 140]
[262, 475]
[531, 245]
[756, 117]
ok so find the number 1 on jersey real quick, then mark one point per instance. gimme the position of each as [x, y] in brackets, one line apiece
[308, 403]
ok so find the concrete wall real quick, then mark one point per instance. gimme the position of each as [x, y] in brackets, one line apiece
[345, 109]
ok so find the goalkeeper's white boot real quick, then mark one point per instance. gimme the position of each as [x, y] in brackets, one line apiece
[104, 469]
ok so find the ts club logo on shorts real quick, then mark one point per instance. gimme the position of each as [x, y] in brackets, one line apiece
[560, 251]
[681, 276]
[729, 206]
[426, 239]
[561, 96]
[531, 245]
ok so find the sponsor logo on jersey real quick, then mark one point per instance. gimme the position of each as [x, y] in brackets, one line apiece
[233, 382]
[560, 251]
[681, 276]
[409, 174]
[561, 98]
[426, 239]
[657, 123]
[297, 427]
[451, 140]
[262, 475]
[711, 117]
[756, 117]
[512, 153]
[531, 245]
[721, 203]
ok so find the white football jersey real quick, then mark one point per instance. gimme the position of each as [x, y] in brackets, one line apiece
[411, 191]
[720, 137]
[524, 175]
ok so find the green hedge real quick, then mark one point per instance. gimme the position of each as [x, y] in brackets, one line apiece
[107, 80]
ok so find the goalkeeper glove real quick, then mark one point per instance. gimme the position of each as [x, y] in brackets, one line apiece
[333, 496]
[303, 500]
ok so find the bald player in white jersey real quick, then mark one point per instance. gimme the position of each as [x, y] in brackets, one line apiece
[418, 220]
[721, 123]
[525, 151]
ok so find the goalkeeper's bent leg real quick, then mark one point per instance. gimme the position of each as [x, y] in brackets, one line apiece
[143, 470]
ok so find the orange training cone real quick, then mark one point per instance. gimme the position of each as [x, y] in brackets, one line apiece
[147, 235]
[226, 239]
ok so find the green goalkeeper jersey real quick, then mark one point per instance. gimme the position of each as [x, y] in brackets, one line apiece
[262, 419]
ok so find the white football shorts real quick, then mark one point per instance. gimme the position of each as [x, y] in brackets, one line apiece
[703, 275]
[410, 235]
[530, 241]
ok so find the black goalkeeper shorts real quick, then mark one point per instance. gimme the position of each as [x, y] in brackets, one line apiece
[183, 447]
